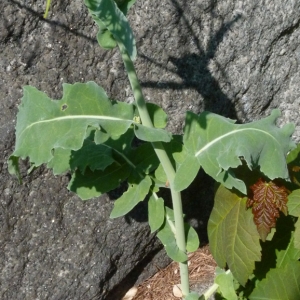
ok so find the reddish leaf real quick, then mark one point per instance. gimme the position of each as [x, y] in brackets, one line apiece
[266, 202]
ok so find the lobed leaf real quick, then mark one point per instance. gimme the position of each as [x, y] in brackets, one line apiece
[218, 144]
[45, 125]
[233, 238]
[280, 284]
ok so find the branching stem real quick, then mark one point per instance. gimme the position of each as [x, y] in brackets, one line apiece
[166, 164]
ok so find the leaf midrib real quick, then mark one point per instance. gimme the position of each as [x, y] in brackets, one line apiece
[57, 119]
[230, 133]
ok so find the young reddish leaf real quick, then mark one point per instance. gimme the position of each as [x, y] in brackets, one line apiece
[266, 202]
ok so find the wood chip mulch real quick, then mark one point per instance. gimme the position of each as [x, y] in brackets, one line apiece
[160, 286]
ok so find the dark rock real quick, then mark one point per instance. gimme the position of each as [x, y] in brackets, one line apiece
[236, 58]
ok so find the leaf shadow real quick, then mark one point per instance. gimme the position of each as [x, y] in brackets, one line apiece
[280, 241]
[193, 68]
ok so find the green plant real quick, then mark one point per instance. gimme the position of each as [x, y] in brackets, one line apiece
[91, 136]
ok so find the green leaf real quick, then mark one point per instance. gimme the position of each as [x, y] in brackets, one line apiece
[106, 13]
[233, 237]
[219, 144]
[192, 296]
[192, 239]
[156, 212]
[280, 284]
[157, 115]
[297, 235]
[167, 235]
[149, 134]
[94, 184]
[293, 205]
[144, 158]
[44, 124]
[186, 173]
[137, 191]
[175, 153]
[291, 253]
[13, 167]
[226, 284]
[60, 161]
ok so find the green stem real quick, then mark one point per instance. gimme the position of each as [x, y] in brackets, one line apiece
[47, 8]
[166, 164]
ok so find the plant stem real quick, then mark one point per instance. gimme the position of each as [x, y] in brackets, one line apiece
[47, 9]
[166, 164]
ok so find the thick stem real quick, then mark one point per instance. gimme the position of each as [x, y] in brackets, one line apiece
[166, 164]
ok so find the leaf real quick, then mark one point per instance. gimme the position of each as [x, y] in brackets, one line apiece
[297, 235]
[280, 284]
[266, 202]
[293, 161]
[94, 184]
[144, 158]
[186, 173]
[158, 117]
[293, 203]
[137, 191]
[233, 238]
[219, 144]
[294, 210]
[192, 239]
[44, 125]
[291, 253]
[193, 296]
[156, 212]
[60, 161]
[151, 134]
[226, 284]
[167, 235]
[107, 14]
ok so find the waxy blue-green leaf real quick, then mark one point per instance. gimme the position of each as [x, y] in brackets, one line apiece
[44, 125]
[151, 134]
[156, 212]
[219, 144]
[137, 191]
[157, 115]
[233, 237]
[280, 284]
[107, 13]
[93, 184]
[167, 234]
